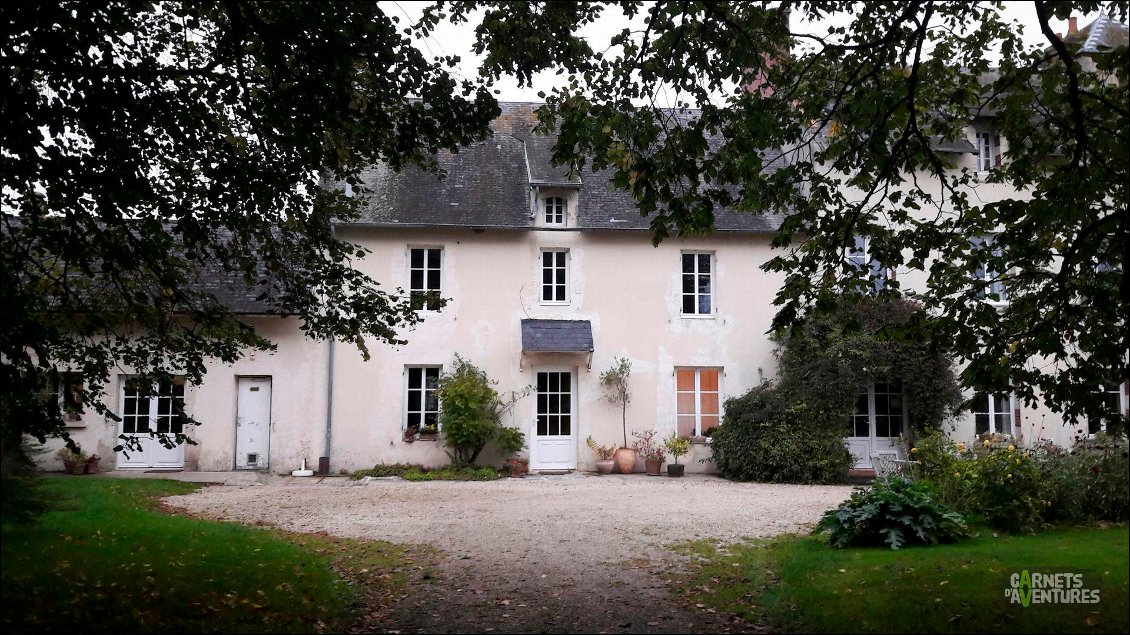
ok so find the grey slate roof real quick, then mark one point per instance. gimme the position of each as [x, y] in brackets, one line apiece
[958, 146]
[556, 336]
[488, 185]
[231, 291]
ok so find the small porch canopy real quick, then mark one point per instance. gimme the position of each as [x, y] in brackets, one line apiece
[557, 336]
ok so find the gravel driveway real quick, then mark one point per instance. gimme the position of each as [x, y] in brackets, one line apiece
[574, 553]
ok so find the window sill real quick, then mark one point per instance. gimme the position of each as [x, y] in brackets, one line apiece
[695, 316]
[553, 303]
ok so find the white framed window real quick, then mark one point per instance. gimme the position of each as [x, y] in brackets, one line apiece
[425, 277]
[697, 401]
[988, 151]
[421, 405]
[555, 276]
[859, 258]
[990, 286]
[697, 283]
[64, 392]
[555, 210]
[992, 413]
[1113, 404]
[879, 411]
[160, 411]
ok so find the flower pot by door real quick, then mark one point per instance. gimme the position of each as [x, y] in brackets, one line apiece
[675, 469]
[604, 466]
[625, 459]
[653, 467]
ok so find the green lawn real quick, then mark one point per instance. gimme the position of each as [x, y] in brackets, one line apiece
[799, 584]
[107, 561]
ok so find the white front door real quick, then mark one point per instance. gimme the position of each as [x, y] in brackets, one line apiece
[141, 415]
[877, 424]
[253, 423]
[553, 444]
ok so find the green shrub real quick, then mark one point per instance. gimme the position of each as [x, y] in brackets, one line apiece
[411, 472]
[764, 438]
[471, 412]
[991, 479]
[892, 512]
[1089, 483]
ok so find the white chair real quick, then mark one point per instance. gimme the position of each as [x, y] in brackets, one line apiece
[885, 465]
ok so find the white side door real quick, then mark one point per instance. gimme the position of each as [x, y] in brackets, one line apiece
[253, 423]
[142, 415]
[553, 437]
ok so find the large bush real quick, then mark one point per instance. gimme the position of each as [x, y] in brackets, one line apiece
[1088, 483]
[792, 430]
[764, 438]
[1014, 489]
[892, 512]
[471, 412]
[992, 479]
[825, 362]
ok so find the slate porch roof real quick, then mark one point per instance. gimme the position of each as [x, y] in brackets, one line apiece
[488, 185]
[556, 336]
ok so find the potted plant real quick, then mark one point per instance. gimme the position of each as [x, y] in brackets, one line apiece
[604, 454]
[651, 451]
[518, 466]
[512, 441]
[410, 433]
[73, 462]
[618, 392]
[93, 464]
[428, 432]
[677, 446]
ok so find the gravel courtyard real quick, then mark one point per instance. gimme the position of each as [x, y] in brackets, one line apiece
[573, 553]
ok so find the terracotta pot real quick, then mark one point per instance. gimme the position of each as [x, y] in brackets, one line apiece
[625, 459]
[675, 469]
[653, 467]
[79, 467]
[518, 468]
[93, 466]
[604, 466]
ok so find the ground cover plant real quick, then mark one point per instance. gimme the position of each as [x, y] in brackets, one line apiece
[108, 561]
[410, 472]
[799, 584]
[893, 512]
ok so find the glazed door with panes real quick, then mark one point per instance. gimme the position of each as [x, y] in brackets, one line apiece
[875, 428]
[161, 411]
[554, 445]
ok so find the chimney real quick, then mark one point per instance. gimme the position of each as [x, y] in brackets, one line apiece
[1072, 26]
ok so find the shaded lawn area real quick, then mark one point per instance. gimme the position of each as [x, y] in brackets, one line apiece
[799, 584]
[107, 561]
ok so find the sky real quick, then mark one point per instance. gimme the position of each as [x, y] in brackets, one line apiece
[451, 39]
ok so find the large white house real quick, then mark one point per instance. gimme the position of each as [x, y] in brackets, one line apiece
[547, 278]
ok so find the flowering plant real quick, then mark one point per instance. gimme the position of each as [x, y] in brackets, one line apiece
[648, 447]
[677, 446]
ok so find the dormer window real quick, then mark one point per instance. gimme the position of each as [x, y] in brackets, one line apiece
[988, 151]
[555, 210]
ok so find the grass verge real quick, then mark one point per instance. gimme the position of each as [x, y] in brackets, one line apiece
[107, 560]
[411, 472]
[799, 584]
